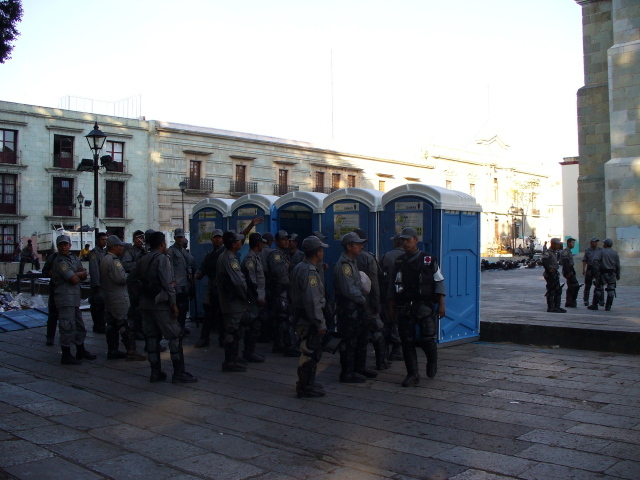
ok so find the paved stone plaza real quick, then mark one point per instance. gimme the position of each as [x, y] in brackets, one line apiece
[494, 412]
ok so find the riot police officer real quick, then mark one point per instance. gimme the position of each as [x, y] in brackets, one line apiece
[212, 312]
[131, 255]
[114, 288]
[66, 274]
[590, 255]
[159, 310]
[232, 292]
[278, 266]
[295, 255]
[308, 301]
[96, 299]
[417, 284]
[608, 270]
[551, 274]
[254, 276]
[390, 330]
[182, 263]
[351, 312]
[368, 265]
[569, 273]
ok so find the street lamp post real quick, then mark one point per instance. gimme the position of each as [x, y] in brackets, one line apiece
[183, 187]
[80, 199]
[96, 139]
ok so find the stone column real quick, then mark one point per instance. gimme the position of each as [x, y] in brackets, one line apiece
[593, 118]
[622, 171]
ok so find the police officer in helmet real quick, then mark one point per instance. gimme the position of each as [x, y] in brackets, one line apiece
[417, 284]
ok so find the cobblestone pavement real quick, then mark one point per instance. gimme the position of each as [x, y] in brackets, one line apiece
[494, 412]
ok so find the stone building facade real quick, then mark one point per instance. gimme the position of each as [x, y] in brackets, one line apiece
[41, 149]
[609, 129]
[156, 158]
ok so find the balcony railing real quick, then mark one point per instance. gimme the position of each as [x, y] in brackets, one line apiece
[243, 187]
[195, 183]
[282, 189]
[326, 190]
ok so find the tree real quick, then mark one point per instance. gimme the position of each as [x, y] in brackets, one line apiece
[10, 15]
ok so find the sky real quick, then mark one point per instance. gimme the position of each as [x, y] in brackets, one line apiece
[367, 76]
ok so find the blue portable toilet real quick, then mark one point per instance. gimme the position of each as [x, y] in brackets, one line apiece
[206, 216]
[345, 210]
[300, 212]
[249, 206]
[448, 223]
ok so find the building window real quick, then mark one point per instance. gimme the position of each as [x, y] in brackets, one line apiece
[241, 173]
[116, 150]
[195, 167]
[335, 181]
[7, 242]
[8, 202]
[382, 185]
[472, 189]
[114, 205]
[351, 181]
[62, 196]
[448, 184]
[8, 141]
[319, 182]
[63, 151]
[495, 190]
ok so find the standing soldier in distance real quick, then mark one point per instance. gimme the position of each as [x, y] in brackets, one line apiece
[212, 312]
[182, 263]
[279, 269]
[131, 255]
[350, 309]
[308, 301]
[552, 276]
[114, 288]
[96, 299]
[569, 273]
[608, 269]
[159, 310]
[387, 262]
[232, 291]
[417, 284]
[590, 255]
[67, 273]
[254, 276]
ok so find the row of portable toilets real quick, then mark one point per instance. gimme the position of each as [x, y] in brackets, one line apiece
[447, 221]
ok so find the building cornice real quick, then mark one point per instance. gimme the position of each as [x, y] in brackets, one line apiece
[14, 122]
[583, 3]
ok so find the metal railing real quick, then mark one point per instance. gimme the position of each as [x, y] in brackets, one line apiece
[196, 183]
[326, 190]
[243, 187]
[282, 189]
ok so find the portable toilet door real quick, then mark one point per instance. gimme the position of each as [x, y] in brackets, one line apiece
[448, 225]
[345, 210]
[300, 212]
[206, 216]
[244, 209]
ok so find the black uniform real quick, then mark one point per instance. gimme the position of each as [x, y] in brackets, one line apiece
[569, 273]
[130, 257]
[415, 286]
[96, 299]
[608, 269]
[590, 256]
[278, 266]
[552, 276]
[52, 320]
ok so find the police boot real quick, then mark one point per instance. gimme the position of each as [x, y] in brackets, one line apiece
[431, 351]
[52, 323]
[558, 302]
[83, 354]
[551, 304]
[129, 340]
[250, 340]
[304, 387]
[179, 373]
[314, 370]
[411, 363]
[68, 359]
[157, 375]
[361, 364]
[380, 350]
[112, 345]
[347, 375]
[230, 363]
[396, 352]
[609, 303]
[289, 341]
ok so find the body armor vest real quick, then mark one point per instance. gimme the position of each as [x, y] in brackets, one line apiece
[414, 278]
